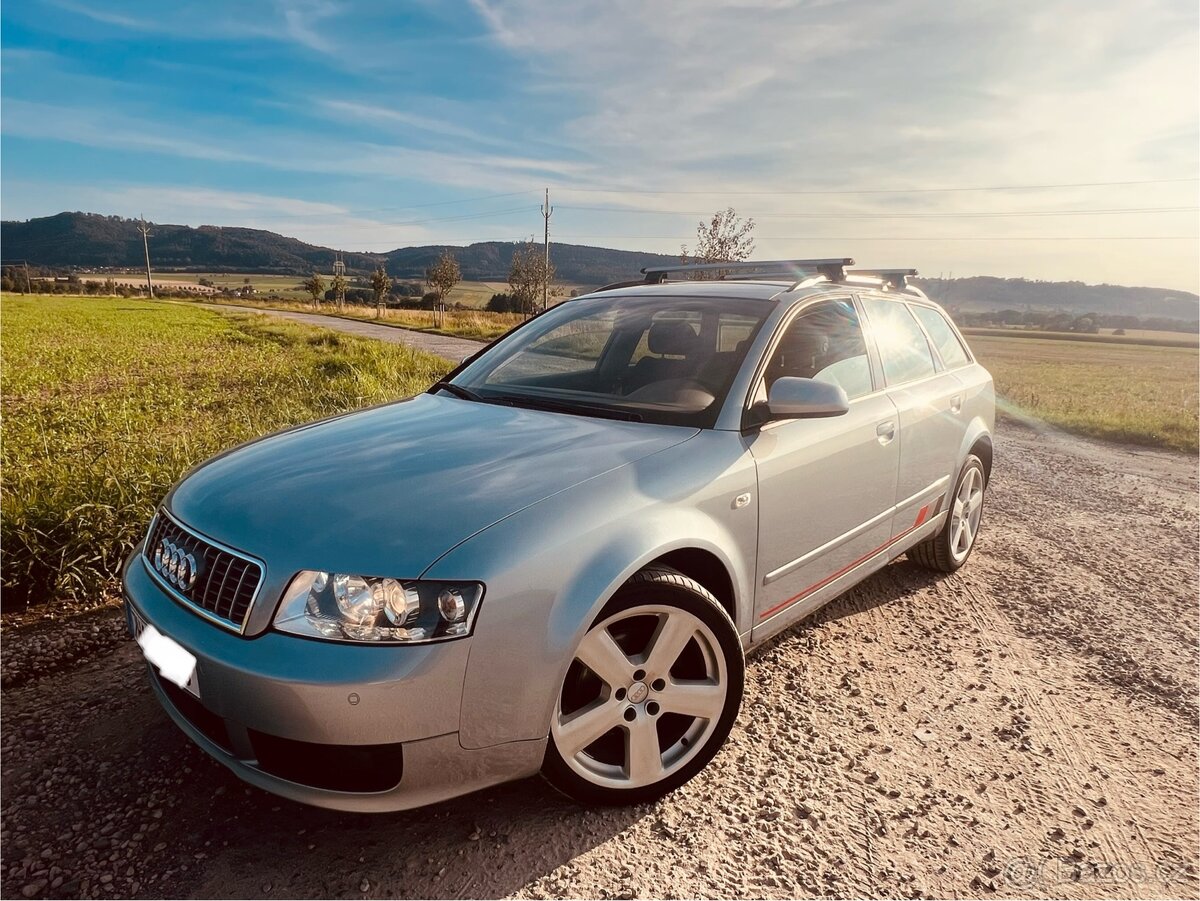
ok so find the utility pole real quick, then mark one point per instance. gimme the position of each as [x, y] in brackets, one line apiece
[28, 283]
[145, 230]
[547, 210]
[339, 275]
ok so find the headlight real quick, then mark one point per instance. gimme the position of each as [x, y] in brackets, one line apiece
[344, 607]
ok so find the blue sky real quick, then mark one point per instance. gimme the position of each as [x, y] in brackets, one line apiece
[837, 125]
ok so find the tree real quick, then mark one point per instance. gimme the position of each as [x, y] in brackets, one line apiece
[528, 275]
[444, 275]
[338, 285]
[723, 239]
[315, 286]
[380, 284]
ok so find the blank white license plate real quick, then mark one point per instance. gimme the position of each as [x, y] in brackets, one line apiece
[174, 662]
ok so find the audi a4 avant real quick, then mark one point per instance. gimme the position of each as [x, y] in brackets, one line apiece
[555, 559]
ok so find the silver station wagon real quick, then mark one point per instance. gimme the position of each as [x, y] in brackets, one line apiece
[556, 559]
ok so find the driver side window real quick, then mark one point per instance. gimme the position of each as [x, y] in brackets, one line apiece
[824, 343]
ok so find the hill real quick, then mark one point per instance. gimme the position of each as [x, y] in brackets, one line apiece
[91, 240]
[985, 293]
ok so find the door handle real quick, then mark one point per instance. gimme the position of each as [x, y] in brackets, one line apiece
[956, 403]
[886, 431]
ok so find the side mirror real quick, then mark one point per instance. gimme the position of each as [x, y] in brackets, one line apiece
[796, 398]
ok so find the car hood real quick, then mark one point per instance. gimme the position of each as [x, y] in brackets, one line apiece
[388, 490]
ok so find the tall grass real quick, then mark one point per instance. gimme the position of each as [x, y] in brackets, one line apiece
[107, 402]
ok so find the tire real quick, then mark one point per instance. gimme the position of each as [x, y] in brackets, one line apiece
[945, 552]
[616, 739]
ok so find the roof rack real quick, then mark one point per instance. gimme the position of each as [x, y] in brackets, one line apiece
[833, 269]
[895, 278]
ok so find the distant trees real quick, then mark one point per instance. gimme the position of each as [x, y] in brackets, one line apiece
[725, 238]
[381, 285]
[503, 303]
[528, 276]
[315, 286]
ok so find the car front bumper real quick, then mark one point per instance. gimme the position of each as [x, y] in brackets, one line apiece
[324, 723]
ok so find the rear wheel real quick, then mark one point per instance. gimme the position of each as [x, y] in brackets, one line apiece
[650, 696]
[949, 549]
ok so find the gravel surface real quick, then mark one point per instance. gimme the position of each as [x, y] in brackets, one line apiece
[1025, 727]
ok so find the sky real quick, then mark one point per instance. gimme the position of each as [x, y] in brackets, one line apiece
[1049, 139]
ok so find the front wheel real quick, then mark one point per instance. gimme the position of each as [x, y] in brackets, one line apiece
[949, 549]
[650, 696]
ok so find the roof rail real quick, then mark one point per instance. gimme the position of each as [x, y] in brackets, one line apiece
[615, 285]
[833, 269]
[896, 278]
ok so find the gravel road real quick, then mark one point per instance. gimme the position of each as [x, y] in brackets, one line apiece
[1025, 727]
[453, 349]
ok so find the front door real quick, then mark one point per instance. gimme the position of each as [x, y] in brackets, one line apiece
[826, 486]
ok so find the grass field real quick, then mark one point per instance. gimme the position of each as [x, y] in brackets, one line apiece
[1134, 393]
[106, 402]
[1132, 336]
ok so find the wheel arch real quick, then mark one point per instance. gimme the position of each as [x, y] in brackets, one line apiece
[982, 448]
[706, 568]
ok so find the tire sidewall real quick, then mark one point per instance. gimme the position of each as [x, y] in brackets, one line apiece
[694, 600]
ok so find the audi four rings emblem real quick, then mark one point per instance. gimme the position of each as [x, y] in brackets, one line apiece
[175, 564]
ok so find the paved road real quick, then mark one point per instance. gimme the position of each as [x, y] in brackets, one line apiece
[1025, 727]
[454, 349]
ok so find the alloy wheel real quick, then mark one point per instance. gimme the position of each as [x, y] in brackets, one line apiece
[641, 698]
[966, 513]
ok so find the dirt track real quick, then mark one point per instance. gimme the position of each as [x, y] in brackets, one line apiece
[1026, 727]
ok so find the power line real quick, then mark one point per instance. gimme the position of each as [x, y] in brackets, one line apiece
[1045, 187]
[902, 215]
[922, 238]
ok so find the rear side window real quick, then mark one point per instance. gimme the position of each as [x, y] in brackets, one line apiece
[902, 346]
[942, 336]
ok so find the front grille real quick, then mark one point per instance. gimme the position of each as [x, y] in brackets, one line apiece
[224, 584]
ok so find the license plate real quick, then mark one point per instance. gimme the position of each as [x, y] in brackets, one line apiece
[173, 661]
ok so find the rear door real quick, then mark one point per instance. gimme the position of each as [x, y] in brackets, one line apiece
[928, 400]
[826, 486]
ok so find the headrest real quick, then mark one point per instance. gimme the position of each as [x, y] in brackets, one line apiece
[808, 345]
[675, 338]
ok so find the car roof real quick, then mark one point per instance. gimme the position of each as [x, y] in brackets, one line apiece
[760, 289]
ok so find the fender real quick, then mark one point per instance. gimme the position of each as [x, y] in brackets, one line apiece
[979, 402]
[565, 557]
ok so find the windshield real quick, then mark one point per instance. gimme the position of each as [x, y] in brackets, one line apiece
[658, 359]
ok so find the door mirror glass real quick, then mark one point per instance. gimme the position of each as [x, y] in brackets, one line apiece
[799, 398]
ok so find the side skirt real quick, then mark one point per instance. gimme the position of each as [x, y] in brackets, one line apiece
[815, 597]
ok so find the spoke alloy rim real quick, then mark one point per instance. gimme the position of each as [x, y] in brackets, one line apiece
[635, 706]
[966, 514]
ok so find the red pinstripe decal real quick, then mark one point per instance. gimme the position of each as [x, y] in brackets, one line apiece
[922, 515]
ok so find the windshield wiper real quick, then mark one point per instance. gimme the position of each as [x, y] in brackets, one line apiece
[576, 407]
[458, 391]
